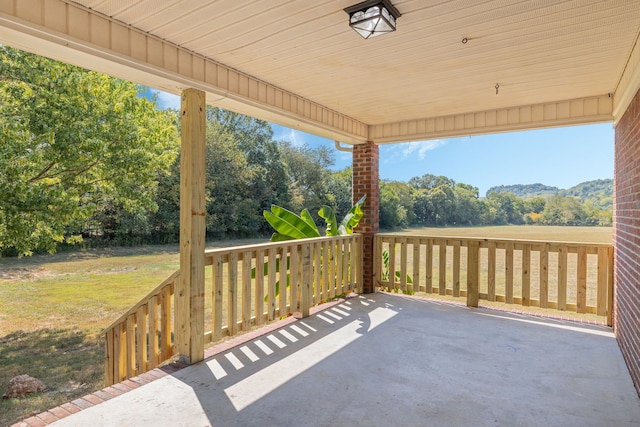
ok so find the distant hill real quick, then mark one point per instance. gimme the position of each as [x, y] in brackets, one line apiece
[599, 192]
[526, 191]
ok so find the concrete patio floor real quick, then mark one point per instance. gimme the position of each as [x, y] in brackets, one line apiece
[385, 360]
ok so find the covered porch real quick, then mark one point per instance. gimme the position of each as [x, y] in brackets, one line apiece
[449, 70]
[382, 359]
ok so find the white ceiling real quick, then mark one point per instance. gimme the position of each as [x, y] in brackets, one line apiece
[297, 62]
[537, 51]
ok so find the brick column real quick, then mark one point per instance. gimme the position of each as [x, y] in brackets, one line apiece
[626, 237]
[365, 181]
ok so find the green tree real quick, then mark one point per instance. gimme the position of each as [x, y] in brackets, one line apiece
[467, 204]
[339, 188]
[308, 172]
[254, 138]
[509, 209]
[392, 213]
[72, 140]
[561, 210]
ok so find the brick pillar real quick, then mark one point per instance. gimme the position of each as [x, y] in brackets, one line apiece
[365, 181]
[626, 237]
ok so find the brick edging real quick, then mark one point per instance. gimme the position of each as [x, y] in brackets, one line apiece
[95, 398]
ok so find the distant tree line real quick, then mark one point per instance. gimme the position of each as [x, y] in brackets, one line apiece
[440, 201]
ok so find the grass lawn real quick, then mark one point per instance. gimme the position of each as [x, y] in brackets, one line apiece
[53, 307]
[524, 232]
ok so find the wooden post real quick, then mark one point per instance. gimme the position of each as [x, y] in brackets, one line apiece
[473, 273]
[189, 295]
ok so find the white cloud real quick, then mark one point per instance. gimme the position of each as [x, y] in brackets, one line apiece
[417, 149]
[168, 100]
[296, 138]
[421, 147]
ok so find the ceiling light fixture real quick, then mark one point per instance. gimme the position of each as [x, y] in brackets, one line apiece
[373, 18]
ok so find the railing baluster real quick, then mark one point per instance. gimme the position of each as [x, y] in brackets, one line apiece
[141, 339]
[305, 288]
[562, 277]
[246, 290]
[317, 277]
[259, 283]
[491, 271]
[544, 276]
[295, 279]
[403, 264]
[428, 258]
[283, 279]
[442, 273]
[473, 273]
[581, 292]
[601, 296]
[165, 323]
[392, 263]
[119, 351]
[526, 275]
[217, 268]
[340, 271]
[456, 268]
[271, 287]
[232, 301]
[508, 272]
[325, 270]
[152, 334]
[109, 357]
[415, 277]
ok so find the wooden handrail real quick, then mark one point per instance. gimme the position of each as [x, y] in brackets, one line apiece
[585, 269]
[142, 338]
[241, 296]
[156, 291]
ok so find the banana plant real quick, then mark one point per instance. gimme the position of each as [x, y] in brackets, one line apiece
[291, 226]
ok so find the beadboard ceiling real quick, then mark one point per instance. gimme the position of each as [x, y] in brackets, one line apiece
[445, 59]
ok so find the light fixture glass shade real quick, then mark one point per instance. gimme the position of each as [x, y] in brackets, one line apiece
[374, 19]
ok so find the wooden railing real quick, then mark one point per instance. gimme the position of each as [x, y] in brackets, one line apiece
[564, 276]
[142, 338]
[249, 286]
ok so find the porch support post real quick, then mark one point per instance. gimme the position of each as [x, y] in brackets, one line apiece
[189, 295]
[365, 182]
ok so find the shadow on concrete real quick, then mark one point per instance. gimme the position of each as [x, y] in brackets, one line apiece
[384, 360]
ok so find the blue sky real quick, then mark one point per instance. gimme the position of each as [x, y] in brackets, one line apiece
[561, 157]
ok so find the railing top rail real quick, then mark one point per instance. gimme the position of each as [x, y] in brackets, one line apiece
[491, 239]
[268, 245]
[143, 300]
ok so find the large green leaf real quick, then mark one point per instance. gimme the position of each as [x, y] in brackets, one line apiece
[327, 213]
[306, 217]
[287, 223]
[353, 217]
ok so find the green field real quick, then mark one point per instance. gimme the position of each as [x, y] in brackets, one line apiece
[523, 232]
[52, 307]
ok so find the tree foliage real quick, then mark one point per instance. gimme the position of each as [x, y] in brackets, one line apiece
[73, 142]
[440, 201]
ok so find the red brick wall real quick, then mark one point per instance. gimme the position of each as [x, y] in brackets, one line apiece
[626, 217]
[365, 181]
